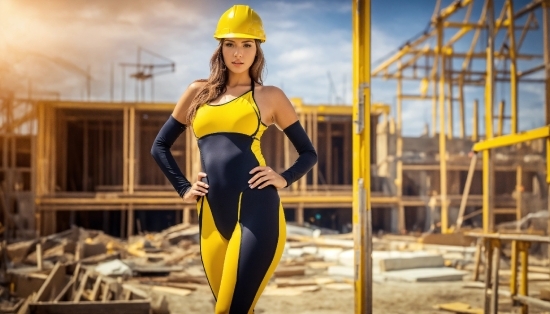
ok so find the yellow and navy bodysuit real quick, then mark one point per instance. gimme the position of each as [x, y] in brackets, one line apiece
[242, 230]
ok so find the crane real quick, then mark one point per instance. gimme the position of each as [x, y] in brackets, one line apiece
[144, 72]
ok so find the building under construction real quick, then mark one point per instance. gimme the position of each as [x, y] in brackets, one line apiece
[88, 163]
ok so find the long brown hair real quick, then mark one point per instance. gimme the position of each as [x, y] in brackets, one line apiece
[216, 84]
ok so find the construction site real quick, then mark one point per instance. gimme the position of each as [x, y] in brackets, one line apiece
[457, 217]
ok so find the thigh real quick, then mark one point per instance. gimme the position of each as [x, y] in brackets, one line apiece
[213, 246]
[254, 250]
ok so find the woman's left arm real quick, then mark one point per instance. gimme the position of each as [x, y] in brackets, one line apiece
[285, 117]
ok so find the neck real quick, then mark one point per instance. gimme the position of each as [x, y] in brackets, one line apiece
[238, 79]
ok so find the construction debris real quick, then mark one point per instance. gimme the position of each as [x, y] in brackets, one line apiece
[85, 271]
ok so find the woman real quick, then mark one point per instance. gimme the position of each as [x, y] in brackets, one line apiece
[242, 224]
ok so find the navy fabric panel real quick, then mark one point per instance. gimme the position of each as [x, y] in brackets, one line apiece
[260, 234]
[227, 159]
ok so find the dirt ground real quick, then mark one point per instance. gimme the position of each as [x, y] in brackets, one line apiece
[389, 297]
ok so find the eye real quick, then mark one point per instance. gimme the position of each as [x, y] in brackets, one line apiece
[228, 44]
[247, 45]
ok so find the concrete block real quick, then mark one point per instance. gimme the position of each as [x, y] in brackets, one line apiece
[410, 262]
[344, 271]
[330, 254]
[425, 275]
[346, 258]
[312, 250]
[347, 271]
[295, 252]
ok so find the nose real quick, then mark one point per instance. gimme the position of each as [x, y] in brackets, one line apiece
[238, 52]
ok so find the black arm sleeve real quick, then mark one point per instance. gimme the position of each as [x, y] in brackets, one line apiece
[162, 155]
[307, 155]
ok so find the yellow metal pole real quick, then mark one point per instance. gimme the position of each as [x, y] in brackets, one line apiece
[450, 102]
[514, 275]
[399, 155]
[475, 122]
[519, 192]
[461, 107]
[546, 40]
[434, 101]
[442, 139]
[487, 163]
[500, 118]
[362, 229]
[513, 68]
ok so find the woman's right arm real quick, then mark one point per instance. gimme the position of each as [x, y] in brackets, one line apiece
[166, 137]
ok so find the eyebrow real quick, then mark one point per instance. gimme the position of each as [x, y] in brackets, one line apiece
[246, 41]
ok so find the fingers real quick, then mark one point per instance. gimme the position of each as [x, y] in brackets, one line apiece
[266, 183]
[256, 169]
[261, 171]
[201, 175]
[260, 181]
[266, 175]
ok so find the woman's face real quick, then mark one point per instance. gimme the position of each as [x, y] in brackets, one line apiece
[238, 54]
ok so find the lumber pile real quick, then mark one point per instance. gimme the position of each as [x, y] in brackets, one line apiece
[86, 271]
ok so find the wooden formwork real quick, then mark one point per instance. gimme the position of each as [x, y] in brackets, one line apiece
[94, 156]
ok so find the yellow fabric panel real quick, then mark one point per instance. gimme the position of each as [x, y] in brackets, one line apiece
[236, 116]
[256, 147]
[276, 258]
[213, 247]
[230, 266]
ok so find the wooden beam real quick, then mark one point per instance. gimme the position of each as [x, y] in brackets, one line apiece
[130, 221]
[53, 284]
[117, 306]
[315, 138]
[131, 150]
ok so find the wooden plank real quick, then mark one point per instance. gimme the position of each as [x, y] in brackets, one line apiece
[75, 278]
[24, 309]
[458, 307]
[39, 263]
[287, 282]
[545, 293]
[95, 290]
[495, 279]
[105, 295]
[510, 237]
[534, 302]
[68, 286]
[290, 271]
[477, 259]
[114, 307]
[131, 291]
[171, 290]
[81, 287]
[53, 284]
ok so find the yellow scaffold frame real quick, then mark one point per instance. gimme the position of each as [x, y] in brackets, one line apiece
[362, 229]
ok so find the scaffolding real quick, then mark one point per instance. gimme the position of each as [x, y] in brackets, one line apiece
[437, 60]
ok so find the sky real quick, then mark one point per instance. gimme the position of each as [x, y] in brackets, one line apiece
[48, 45]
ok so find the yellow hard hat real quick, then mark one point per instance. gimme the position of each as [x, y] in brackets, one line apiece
[240, 21]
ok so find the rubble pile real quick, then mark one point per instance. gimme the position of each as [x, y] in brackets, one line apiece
[86, 271]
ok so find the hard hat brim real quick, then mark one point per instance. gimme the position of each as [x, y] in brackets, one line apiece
[238, 35]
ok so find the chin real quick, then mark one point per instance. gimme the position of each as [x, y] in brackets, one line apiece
[239, 71]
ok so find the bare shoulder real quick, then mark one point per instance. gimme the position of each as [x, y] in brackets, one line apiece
[280, 108]
[269, 91]
[180, 111]
[196, 86]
